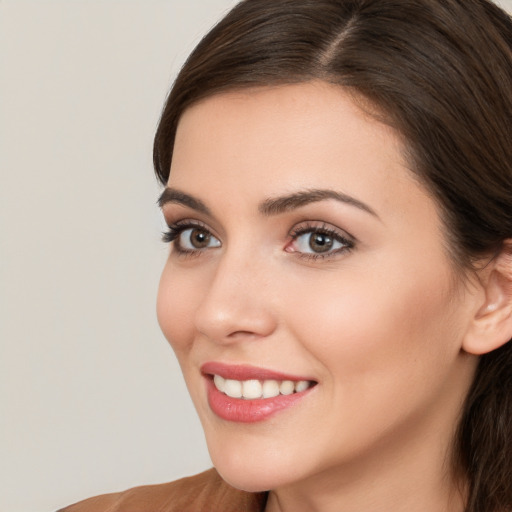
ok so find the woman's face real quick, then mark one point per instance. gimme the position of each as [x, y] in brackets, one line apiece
[305, 251]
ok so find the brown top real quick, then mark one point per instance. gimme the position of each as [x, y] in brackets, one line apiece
[206, 492]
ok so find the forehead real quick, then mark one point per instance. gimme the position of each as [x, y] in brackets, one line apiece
[287, 114]
[271, 139]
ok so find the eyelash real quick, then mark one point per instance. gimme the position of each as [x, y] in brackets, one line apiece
[175, 230]
[323, 229]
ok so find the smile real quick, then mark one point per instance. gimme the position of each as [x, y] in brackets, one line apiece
[246, 394]
[254, 389]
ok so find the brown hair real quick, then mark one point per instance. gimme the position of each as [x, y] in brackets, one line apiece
[440, 72]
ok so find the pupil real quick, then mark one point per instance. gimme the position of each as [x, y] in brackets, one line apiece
[199, 238]
[320, 242]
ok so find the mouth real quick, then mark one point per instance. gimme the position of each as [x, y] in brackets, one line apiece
[247, 394]
[254, 389]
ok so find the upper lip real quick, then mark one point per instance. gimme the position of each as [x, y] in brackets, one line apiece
[246, 372]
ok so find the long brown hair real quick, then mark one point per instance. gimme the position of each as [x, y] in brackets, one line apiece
[440, 73]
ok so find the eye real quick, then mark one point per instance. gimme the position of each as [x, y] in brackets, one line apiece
[319, 241]
[190, 238]
[196, 238]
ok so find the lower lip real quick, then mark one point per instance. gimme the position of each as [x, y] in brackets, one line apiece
[249, 411]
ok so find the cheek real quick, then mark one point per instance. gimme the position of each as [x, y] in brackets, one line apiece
[386, 352]
[176, 303]
[374, 330]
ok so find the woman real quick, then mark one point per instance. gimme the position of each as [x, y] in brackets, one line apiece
[338, 190]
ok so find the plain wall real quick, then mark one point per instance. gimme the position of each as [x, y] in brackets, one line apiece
[91, 397]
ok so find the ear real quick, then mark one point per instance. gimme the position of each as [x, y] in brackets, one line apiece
[491, 326]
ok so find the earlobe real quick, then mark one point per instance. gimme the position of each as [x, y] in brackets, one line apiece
[491, 326]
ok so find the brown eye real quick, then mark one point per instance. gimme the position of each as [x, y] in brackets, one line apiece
[199, 238]
[196, 238]
[320, 242]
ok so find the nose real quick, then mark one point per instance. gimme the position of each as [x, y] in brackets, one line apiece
[237, 304]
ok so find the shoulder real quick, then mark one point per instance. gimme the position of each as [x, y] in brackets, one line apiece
[204, 492]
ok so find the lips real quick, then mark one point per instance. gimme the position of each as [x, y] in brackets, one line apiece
[248, 394]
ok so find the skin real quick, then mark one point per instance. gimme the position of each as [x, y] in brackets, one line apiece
[379, 327]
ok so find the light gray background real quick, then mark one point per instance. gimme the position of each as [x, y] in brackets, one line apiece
[91, 397]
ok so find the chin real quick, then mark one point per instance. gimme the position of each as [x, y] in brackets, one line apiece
[250, 478]
[253, 470]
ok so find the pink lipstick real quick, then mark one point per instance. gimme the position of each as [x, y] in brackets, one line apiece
[248, 394]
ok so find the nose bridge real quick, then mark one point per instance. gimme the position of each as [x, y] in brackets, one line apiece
[236, 302]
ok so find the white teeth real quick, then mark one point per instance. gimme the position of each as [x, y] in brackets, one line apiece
[254, 389]
[270, 388]
[233, 388]
[251, 389]
[219, 382]
[287, 387]
[302, 385]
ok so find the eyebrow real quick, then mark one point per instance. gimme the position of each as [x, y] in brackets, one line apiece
[277, 205]
[271, 206]
[172, 195]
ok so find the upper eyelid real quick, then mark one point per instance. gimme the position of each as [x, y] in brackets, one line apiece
[177, 210]
[319, 225]
[185, 223]
[179, 217]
